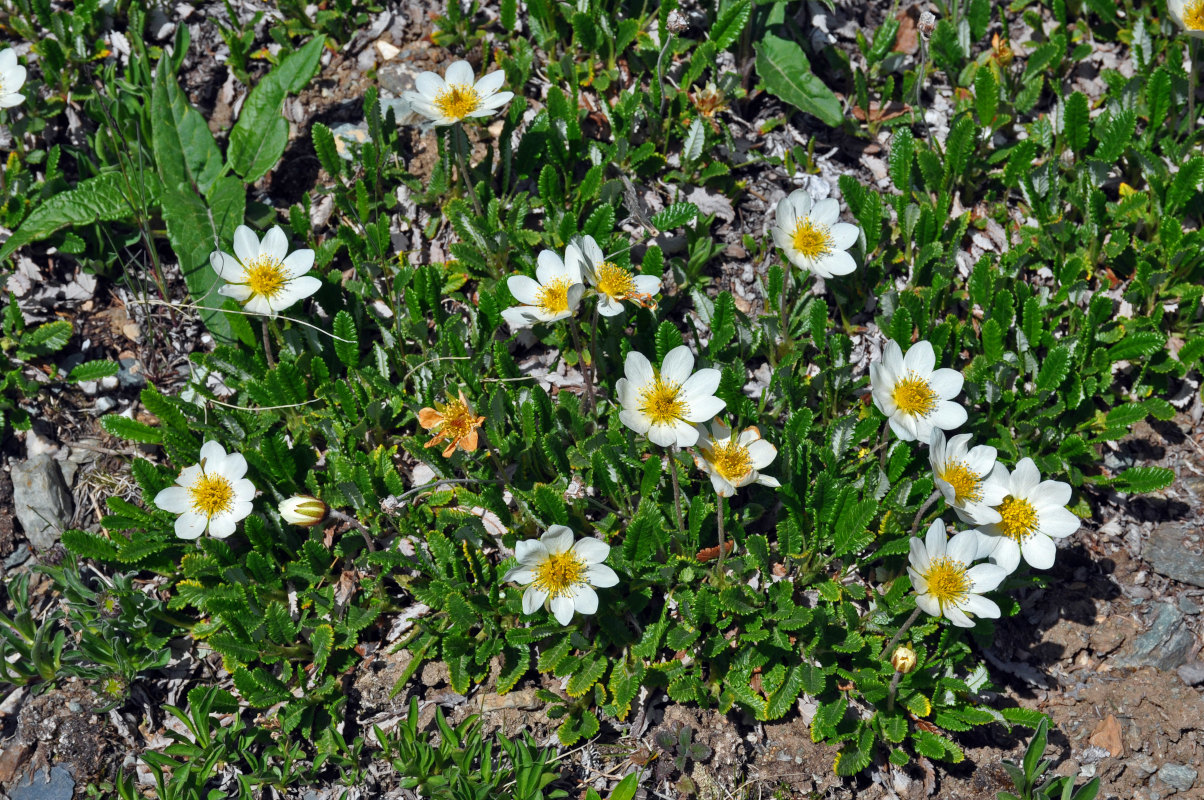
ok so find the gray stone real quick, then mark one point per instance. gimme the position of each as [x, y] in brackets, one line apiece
[1172, 552]
[131, 375]
[1164, 646]
[58, 785]
[1192, 674]
[1177, 776]
[1187, 606]
[41, 499]
[18, 556]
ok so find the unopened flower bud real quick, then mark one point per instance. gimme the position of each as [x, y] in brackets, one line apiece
[927, 24]
[303, 510]
[904, 659]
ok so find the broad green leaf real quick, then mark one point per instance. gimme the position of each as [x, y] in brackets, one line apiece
[93, 370]
[786, 73]
[261, 133]
[190, 229]
[99, 199]
[1076, 123]
[185, 151]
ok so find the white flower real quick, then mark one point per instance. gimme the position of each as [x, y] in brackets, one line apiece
[449, 99]
[945, 583]
[733, 462]
[304, 510]
[561, 575]
[12, 78]
[811, 236]
[553, 295]
[1189, 14]
[212, 494]
[961, 474]
[1032, 514]
[263, 275]
[915, 397]
[612, 282]
[663, 404]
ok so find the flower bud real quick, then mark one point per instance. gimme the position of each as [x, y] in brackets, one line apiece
[927, 24]
[303, 510]
[904, 659]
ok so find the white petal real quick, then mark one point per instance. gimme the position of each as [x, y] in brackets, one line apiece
[593, 253]
[1039, 551]
[980, 606]
[490, 83]
[492, 102]
[761, 454]
[948, 415]
[920, 359]
[918, 555]
[638, 421]
[429, 85]
[665, 435]
[1057, 522]
[533, 598]
[557, 538]
[638, 370]
[459, 73]
[903, 427]
[608, 306]
[934, 540]
[173, 499]
[677, 366]
[213, 455]
[721, 485]
[963, 547]
[1025, 478]
[304, 286]
[239, 291]
[246, 244]
[523, 289]
[838, 262]
[1052, 493]
[274, 244]
[918, 581]
[928, 604]
[985, 577]
[258, 304]
[585, 599]
[222, 526]
[704, 408]
[227, 268]
[298, 262]
[530, 552]
[191, 525]
[702, 383]
[548, 267]
[958, 617]
[826, 212]
[521, 575]
[562, 609]
[234, 468]
[8, 59]
[518, 316]
[844, 235]
[591, 550]
[601, 576]
[947, 383]
[1006, 554]
[647, 284]
[892, 358]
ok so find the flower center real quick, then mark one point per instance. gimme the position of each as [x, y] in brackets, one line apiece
[662, 402]
[615, 282]
[458, 419]
[731, 461]
[914, 396]
[1193, 15]
[1019, 518]
[554, 296]
[212, 494]
[266, 276]
[947, 581]
[812, 241]
[967, 486]
[559, 573]
[457, 101]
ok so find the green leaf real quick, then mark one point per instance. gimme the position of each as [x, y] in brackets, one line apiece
[674, 216]
[126, 428]
[190, 229]
[1136, 345]
[321, 641]
[185, 150]
[902, 153]
[1076, 122]
[1139, 480]
[261, 133]
[45, 339]
[986, 96]
[93, 370]
[786, 73]
[99, 199]
[1053, 369]
[730, 23]
[992, 341]
[346, 343]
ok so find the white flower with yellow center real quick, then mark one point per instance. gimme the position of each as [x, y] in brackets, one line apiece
[945, 583]
[915, 397]
[612, 282]
[211, 495]
[552, 295]
[812, 237]
[1032, 514]
[962, 475]
[263, 275]
[736, 461]
[12, 78]
[663, 405]
[1189, 14]
[457, 95]
[560, 574]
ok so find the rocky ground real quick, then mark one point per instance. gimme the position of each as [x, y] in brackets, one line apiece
[1109, 649]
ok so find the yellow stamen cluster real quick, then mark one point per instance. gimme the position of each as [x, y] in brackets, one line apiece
[457, 101]
[947, 581]
[812, 241]
[731, 461]
[1019, 518]
[212, 494]
[614, 281]
[662, 402]
[266, 276]
[1193, 15]
[559, 573]
[554, 296]
[914, 396]
[458, 419]
[966, 483]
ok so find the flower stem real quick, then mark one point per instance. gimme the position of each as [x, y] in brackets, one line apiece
[342, 516]
[460, 145]
[267, 344]
[894, 685]
[719, 566]
[493, 456]
[915, 523]
[587, 372]
[1191, 85]
[899, 634]
[681, 526]
[785, 320]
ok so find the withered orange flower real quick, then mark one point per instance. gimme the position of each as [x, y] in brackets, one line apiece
[453, 421]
